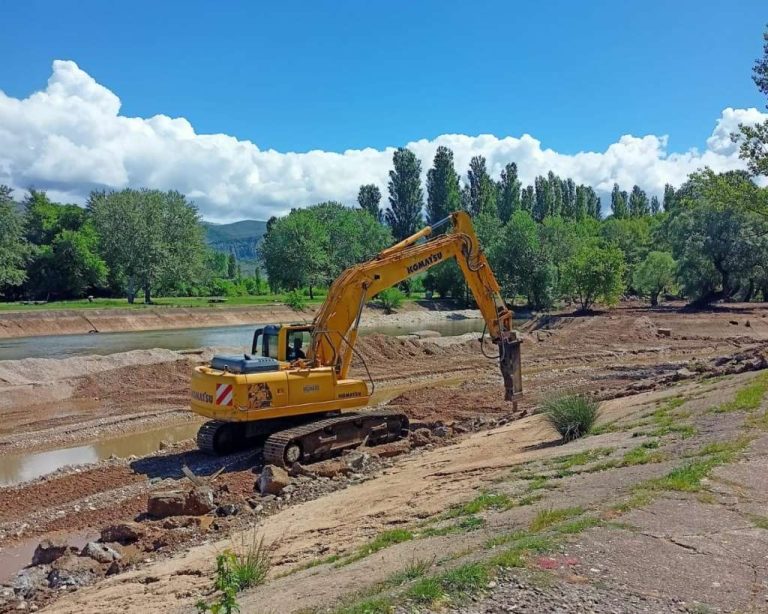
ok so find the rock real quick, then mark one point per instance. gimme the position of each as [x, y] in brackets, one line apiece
[721, 360]
[199, 501]
[196, 502]
[48, 551]
[30, 580]
[228, 509]
[165, 445]
[440, 431]
[123, 532]
[330, 468]
[101, 553]
[664, 332]
[733, 322]
[273, 479]
[166, 503]
[357, 460]
[421, 437]
[683, 374]
[73, 570]
[748, 324]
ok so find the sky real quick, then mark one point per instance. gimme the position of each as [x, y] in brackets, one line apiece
[252, 108]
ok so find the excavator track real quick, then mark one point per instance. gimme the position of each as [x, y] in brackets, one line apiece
[217, 438]
[323, 438]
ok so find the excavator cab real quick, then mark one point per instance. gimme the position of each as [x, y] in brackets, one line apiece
[285, 343]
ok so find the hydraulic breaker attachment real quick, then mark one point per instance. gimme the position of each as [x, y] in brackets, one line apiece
[509, 362]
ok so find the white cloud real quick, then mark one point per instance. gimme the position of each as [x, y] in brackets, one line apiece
[70, 138]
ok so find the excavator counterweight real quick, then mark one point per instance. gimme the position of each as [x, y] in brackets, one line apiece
[292, 394]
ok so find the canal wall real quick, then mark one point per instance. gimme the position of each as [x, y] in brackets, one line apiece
[16, 324]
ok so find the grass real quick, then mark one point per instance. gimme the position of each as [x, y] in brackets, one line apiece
[484, 501]
[643, 454]
[761, 522]
[454, 584]
[373, 605]
[546, 518]
[666, 423]
[381, 541]
[416, 569]
[572, 415]
[577, 526]
[748, 398]
[582, 458]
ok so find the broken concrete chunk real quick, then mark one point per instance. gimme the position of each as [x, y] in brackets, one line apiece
[48, 551]
[100, 553]
[30, 580]
[71, 570]
[664, 332]
[273, 479]
[196, 502]
[123, 532]
[421, 437]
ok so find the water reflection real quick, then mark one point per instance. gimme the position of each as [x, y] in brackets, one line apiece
[15, 469]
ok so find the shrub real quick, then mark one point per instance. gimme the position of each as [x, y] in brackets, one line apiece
[390, 299]
[237, 570]
[573, 415]
[296, 300]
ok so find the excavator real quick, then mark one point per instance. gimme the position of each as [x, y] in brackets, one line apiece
[292, 395]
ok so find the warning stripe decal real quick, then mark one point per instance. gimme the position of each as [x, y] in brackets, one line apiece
[224, 394]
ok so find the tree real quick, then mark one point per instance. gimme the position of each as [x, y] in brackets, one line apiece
[509, 192]
[369, 198]
[443, 191]
[720, 246]
[406, 197]
[481, 188]
[656, 274]
[619, 202]
[754, 139]
[528, 199]
[543, 200]
[669, 198]
[148, 238]
[596, 273]
[638, 203]
[655, 205]
[13, 247]
[231, 266]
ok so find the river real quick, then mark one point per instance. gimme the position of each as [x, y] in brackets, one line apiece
[61, 346]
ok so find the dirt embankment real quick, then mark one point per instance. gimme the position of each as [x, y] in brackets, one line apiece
[82, 321]
[446, 385]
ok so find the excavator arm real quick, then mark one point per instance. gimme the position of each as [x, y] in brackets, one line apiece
[336, 324]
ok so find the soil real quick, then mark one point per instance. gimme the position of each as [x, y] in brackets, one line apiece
[623, 357]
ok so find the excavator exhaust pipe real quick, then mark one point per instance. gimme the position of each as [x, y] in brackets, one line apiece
[510, 364]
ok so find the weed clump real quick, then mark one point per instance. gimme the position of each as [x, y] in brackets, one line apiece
[573, 415]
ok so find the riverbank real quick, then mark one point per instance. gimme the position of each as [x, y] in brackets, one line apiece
[19, 324]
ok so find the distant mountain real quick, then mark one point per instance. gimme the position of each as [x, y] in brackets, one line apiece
[241, 237]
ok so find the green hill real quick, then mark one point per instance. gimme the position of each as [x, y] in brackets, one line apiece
[241, 237]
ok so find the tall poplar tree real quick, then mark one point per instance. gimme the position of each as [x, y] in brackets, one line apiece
[369, 198]
[509, 192]
[619, 202]
[443, 191]
[406, 198]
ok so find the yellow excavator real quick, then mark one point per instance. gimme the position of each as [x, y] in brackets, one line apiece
[292, 394]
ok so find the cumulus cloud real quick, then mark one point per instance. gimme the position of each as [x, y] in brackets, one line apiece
[70, 138]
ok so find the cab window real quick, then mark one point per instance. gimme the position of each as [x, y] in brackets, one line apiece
[270, 347]
[298, 344]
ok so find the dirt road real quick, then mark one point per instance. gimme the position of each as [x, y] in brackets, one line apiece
[447, 383]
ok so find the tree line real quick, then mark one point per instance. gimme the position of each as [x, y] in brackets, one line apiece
[122, 243]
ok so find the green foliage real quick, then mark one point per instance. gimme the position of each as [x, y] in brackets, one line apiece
[748, 398]
[296, 300]
[369, 198]
[390, 299]
[619, 205]
[655, 275]
[546, 518]
[148, 238]
[720, 247]
[481, 190]
[638, 204]
[572, 415]
[236, 571]
[754, 139]
[509, 192]
[13, 247]
[595, 273]
[443, 191]
[484, 501]
[406, 197]
[446, 279]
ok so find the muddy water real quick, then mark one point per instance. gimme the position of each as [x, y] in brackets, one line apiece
[15, 469]
[61, 346]
[13, 558]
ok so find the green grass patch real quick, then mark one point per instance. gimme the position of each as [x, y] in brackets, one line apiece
[761, 522]
[415, 569]
[748, 398]
[381, 541]
[484, 501]
[582, 458]
[426, 590]
[665, 422]
[643, 454]
[373, 605]
[572, 415]
[758, 421]
[546, 518]
[577, 526]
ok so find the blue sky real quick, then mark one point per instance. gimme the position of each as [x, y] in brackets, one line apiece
[297, 76]
[251, 108]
